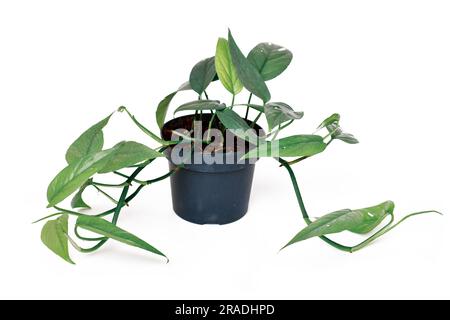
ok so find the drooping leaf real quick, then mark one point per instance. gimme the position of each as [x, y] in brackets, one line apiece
[335, 130]
[75, 175]
[247, 72]
[225, 68]
[233, 122]
[107, 229]
[89, 142]
[347, 137]
[359, 221]
[202, 75]
[163, 106]
[270, 59]
[77, 201]
[333, 119]
[201, 105]
[278, 113]
[128, 153]
[293, 146]
[54, 236]
[337, 133]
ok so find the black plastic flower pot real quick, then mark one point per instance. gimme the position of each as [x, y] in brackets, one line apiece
[209, 193]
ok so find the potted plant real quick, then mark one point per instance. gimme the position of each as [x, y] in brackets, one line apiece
[212, 153]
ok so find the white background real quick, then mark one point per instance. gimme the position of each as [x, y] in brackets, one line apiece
[383, 65]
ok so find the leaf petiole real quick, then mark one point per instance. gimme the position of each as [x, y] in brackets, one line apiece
[145, 130]
[388, 228]
[99, 184]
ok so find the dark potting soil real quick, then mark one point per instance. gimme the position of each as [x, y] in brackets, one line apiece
[187, 123]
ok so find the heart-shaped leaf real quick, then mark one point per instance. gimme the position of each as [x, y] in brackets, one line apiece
[202, 75]
[91, 141]
[225, 68]
[293, 146]
[128, 153]
[247, 72]
[54, 236]
[107, 229]
[163, 106]
[233, 122]
[359, 221]
[270, 59]
[198, 105]
[278, 113]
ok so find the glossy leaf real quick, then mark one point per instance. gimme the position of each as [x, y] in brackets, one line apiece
[202, 75]
[91, 141]
[372, 217]
[358, 221]
[278, 113]
[238, 126]
[54, 236]
[75, 175]
[107, 229]
[247, 72]
[201, 105]
[163, 106]
[128, 153]
[270, 59]
[293, 146]
[225, 68]
[77, 201]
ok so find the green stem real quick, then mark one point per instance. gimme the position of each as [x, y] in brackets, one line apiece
[107, 185]
[145, 130]
[232, 101]
[128, 177]
[136, 192]
[303, 208]
[248, 108]
[363, 244]
[208, 137]
[123, 196]
[79, 236]
[74, 213]
[120, 205]
[206, 95]
[295, 161]
[388, 228]
[280, 128]
[48, 217]
[105, 194]
[164, 176]
[303, 158]
[276, 133]
[256, 120]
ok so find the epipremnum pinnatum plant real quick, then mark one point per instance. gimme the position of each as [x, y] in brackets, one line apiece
[88, 162]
